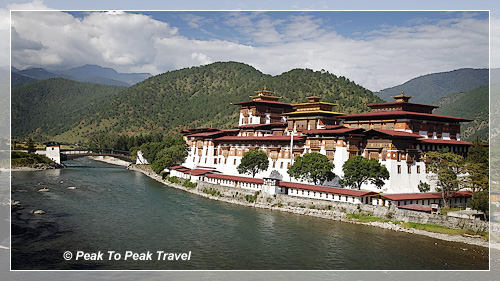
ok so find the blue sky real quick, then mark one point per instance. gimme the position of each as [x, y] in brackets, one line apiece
[351, 24]
[375, 49]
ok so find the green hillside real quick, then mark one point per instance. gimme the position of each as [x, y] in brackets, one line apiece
[202, 97]
[472, 104]
[495, 110]
[431, 87]
[50, 107]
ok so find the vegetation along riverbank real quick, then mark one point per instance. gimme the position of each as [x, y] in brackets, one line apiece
[317, 208]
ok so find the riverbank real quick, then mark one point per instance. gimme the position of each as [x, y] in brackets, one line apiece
[110, 160]
[268, 203]
[38, 167]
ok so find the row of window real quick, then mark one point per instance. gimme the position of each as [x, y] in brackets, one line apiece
[338, 197]
[409, 169]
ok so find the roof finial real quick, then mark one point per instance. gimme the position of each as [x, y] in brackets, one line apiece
[402, 97]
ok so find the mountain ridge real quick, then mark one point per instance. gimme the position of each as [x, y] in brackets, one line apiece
[87, 73]
[431, 87]
[196, 97]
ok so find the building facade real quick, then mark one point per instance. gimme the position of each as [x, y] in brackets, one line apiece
[397, 133]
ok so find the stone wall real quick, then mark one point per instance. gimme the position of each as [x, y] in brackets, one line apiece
[338, 210]
[319, 208]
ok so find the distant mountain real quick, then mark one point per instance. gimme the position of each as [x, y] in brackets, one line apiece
[19, 80]
[188, 98]
[37, 73]
[472, 104]
[87, 73]
[431, 87]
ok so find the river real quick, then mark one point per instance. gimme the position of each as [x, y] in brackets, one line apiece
[114, 209]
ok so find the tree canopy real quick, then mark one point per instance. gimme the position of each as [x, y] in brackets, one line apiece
[313, 167]
[477, 167]
[447, 169]
[253, 162]
[171, 150]
[358, 170]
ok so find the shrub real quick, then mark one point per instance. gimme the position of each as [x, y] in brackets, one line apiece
[173, 179]
[189, 184]
[212, 191]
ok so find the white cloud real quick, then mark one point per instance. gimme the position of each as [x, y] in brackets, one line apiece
[133, 42]
[201, 58]
[108, 39]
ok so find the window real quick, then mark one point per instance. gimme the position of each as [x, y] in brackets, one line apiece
[399, 169]
[234, 162]
[418, 169]
[281, 165]
[409, 169]
[301, 125]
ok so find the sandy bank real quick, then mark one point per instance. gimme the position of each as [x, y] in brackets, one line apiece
[317, 213]
[110, 160]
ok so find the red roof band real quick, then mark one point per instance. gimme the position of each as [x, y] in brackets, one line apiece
[335, 190]
[362, 116]
[235, 178]
[428, 195]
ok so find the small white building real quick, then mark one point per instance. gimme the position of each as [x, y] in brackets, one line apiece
[53, 152]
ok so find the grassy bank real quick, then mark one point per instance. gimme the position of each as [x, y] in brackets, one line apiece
[420, 226]
[23, 159]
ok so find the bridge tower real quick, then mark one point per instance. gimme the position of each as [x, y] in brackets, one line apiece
[53, 151]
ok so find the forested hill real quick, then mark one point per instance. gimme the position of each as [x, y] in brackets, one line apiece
[428, 88]
[202, 97]
[46, 108]
[472, 104]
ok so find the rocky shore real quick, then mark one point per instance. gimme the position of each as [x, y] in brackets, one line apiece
[40, 167]
[327, 214]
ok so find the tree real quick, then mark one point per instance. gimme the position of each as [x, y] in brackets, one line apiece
[424, 187]
[477, 153]
[358, 170]
[169, 156]
[313, 167]
[477, 179]
[252, 162]
[31, 146]
[477, 167]
[481, 201]
[446, 167]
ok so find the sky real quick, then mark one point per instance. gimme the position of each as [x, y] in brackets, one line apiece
[375, 49]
